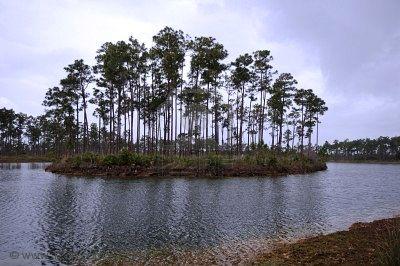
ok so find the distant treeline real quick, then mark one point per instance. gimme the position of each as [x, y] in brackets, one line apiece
[380, 149]
[178, 97]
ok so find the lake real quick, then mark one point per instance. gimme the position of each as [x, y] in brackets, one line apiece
[52, 218]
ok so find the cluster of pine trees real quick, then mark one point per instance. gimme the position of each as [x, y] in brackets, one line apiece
[178, 97]
[382, 149]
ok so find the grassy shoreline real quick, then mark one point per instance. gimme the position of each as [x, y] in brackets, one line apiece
[374, 243]
[25, 159]
[131, 165]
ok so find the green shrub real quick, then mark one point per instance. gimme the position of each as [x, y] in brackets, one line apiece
[295, 158]
[75, 161]
[157, 159]
[215, 163]
[141, 159]
[250, 159]
[52, 155]
[191, 161]
[89, 157]
[261, 159]
[262, 156]
[125, 157]
[110, 160]
[272, 161]
[253, 146]
[389, 251]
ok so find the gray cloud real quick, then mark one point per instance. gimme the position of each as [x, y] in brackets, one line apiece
[357, 49]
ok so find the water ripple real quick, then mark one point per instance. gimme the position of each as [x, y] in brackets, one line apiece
[84, 220]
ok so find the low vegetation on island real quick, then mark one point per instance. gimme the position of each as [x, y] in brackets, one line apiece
[130, 164]
[177, 105]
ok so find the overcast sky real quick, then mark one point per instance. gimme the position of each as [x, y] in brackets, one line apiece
[347, 51]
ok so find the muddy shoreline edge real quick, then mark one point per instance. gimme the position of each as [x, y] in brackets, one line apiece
[364, 243]
[131, 172]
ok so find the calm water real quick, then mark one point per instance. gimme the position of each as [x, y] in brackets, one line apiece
[70, 220]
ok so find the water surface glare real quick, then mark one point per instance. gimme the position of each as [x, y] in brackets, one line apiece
[71, 220]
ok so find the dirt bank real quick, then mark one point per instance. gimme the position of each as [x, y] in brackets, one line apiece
[165, 171]
[362, 244]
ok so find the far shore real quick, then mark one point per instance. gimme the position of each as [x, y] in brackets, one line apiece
[25, 159]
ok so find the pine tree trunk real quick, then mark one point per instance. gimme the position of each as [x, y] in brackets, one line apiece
[241, 121]
[216, 118]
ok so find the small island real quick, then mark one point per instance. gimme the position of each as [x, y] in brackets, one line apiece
[131, 165]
